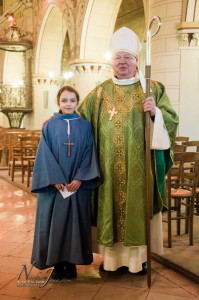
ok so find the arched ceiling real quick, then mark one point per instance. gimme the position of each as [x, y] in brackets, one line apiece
[50, 42]
[103, 18]
[98, 27]
[131, 15]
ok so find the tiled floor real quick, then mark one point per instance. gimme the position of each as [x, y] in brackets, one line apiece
[17, 215]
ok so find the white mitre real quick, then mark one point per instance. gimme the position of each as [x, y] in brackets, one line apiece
[124, 39]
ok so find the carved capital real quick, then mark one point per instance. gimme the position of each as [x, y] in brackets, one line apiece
[46, 80]
[90, 67]
[188, 34]
[189, 40]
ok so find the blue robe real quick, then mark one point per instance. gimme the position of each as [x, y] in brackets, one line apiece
[63, 226]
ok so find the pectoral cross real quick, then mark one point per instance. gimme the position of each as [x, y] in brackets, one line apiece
[69, 144]
[112, 113]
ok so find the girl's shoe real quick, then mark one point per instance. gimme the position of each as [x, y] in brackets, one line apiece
[70, 271]
[58, 272]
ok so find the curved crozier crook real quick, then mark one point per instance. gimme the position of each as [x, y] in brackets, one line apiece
[155, 18]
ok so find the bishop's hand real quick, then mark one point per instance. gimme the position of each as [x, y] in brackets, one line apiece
[149, 105]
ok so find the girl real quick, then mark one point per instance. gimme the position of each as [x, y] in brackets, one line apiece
[65, 171]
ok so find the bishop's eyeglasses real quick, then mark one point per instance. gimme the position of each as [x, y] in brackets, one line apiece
[125, 58]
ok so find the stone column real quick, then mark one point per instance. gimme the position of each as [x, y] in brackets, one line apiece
[88, 74]
[189, 79]
[165, 48]
[175, 59]
[44, 100]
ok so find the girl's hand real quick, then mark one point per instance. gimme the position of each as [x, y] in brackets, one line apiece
[59, 186]
[73, 186]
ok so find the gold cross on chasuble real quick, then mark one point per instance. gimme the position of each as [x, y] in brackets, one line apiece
[69, 144]
[112, 113]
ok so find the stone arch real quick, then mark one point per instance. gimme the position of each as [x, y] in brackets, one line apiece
[100, 23]
[48, 59]
[98, 27]
[50, 42]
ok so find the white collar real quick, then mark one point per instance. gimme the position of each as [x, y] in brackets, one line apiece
[138, 77]
[125, 81]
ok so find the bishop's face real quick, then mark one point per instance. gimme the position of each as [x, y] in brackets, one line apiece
[124, 65]
[68, 102]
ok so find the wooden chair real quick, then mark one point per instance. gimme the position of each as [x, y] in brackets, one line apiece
[36, 132]
[30, 170]
[11, 134]
[181, 193]
[2, 147]
[21, 150]
[29, 147]
[181, 139]
[179, 148]
[196, 203]
[14, 154]
[194, 146]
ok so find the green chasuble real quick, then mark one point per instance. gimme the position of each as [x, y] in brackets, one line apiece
[118, 120]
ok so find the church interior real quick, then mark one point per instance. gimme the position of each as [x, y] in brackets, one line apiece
[45, 44]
